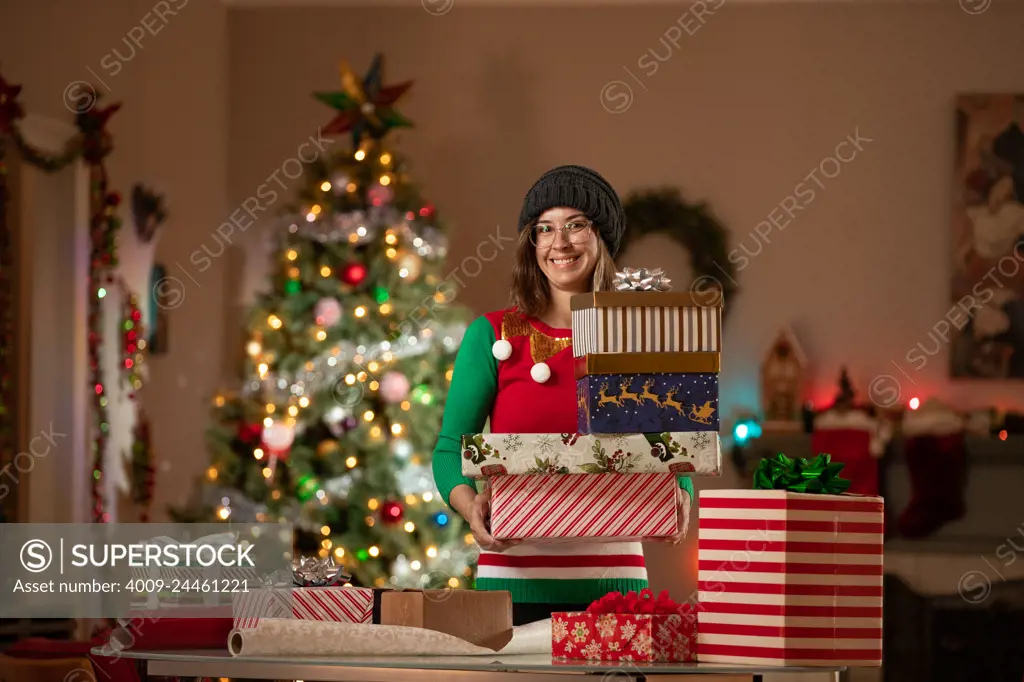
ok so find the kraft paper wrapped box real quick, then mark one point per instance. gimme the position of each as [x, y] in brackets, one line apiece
[609, 507]
[627, 628]
[790, 578]
[695, 453]
[483, 618]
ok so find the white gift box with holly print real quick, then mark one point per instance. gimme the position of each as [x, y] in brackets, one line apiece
[697, 453]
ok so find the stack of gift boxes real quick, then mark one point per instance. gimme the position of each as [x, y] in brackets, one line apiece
[646, 370]
[646, 364]
[790, 573]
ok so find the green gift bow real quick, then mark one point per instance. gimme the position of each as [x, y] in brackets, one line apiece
[818, 475]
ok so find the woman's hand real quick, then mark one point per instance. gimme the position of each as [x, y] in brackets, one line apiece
[479, 516]
[475, 508]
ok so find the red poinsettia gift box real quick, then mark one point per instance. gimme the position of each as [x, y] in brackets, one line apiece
[632, 627]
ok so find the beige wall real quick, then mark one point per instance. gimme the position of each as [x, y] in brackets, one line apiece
[744, 109]
[739, 115]
[170, 133]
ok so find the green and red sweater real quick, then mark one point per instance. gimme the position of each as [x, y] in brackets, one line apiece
[503, 391]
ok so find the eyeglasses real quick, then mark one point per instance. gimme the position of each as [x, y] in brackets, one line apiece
[576, 231]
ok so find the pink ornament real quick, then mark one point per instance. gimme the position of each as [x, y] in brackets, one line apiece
[394, 387]
[379, 194]
[327, 312]
[277, 439]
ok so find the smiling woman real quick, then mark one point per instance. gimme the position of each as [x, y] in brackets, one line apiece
[574, 222]
[512, 362]
[571, 259]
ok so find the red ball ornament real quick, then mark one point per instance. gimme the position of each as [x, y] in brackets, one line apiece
[113, 198]
[250, 434]
[353, 273]
[391, 512]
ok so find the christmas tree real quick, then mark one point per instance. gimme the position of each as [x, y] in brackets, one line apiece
[845, 397]
[350, 355]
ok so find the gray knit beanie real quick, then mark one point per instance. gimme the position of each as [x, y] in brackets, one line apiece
[586, 191]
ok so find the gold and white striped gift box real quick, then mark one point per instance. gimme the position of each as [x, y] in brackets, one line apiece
[644, 322]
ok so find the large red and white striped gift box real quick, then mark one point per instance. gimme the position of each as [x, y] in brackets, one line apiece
[330, 604]
[789, 578]
[606, 506]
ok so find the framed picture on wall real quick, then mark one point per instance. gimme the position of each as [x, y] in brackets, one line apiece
[988, 238]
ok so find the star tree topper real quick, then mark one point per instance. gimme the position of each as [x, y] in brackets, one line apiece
[365, 107]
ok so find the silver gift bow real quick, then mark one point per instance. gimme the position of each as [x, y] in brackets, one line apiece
[315, 572]
[642, 279]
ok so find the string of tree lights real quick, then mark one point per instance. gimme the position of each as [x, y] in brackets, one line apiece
[349, 356]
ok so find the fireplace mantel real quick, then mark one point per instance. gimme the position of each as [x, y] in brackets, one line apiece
[995, 501]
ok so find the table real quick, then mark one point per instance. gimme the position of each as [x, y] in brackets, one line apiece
[527, 668]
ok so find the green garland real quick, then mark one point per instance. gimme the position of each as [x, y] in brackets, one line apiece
[694, 226]
[92, 144]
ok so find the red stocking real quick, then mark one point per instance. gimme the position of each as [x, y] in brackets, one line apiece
[851, 437]
[852, 448]
[938, 477]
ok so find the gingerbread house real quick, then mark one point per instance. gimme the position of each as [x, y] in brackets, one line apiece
[782, 382]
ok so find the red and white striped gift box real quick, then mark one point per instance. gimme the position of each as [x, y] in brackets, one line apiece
[790, 578]
[607, 506]
[330, 604]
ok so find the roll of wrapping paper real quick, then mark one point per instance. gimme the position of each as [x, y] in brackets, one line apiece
[287, 637]
[647, 363]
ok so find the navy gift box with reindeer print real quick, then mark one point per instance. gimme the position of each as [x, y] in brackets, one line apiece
[646, 400]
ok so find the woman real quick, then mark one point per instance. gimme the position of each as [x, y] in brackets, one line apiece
[515, 367]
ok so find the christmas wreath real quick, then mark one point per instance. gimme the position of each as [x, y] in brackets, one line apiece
[692, 225]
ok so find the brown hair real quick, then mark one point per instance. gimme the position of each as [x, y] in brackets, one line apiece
[531, 292]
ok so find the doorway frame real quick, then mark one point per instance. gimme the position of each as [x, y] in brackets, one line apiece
[51, 227]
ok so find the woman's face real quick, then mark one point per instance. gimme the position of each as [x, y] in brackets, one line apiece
[567, 260]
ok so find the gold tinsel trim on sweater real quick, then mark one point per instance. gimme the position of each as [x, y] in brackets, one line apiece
[542, 346]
